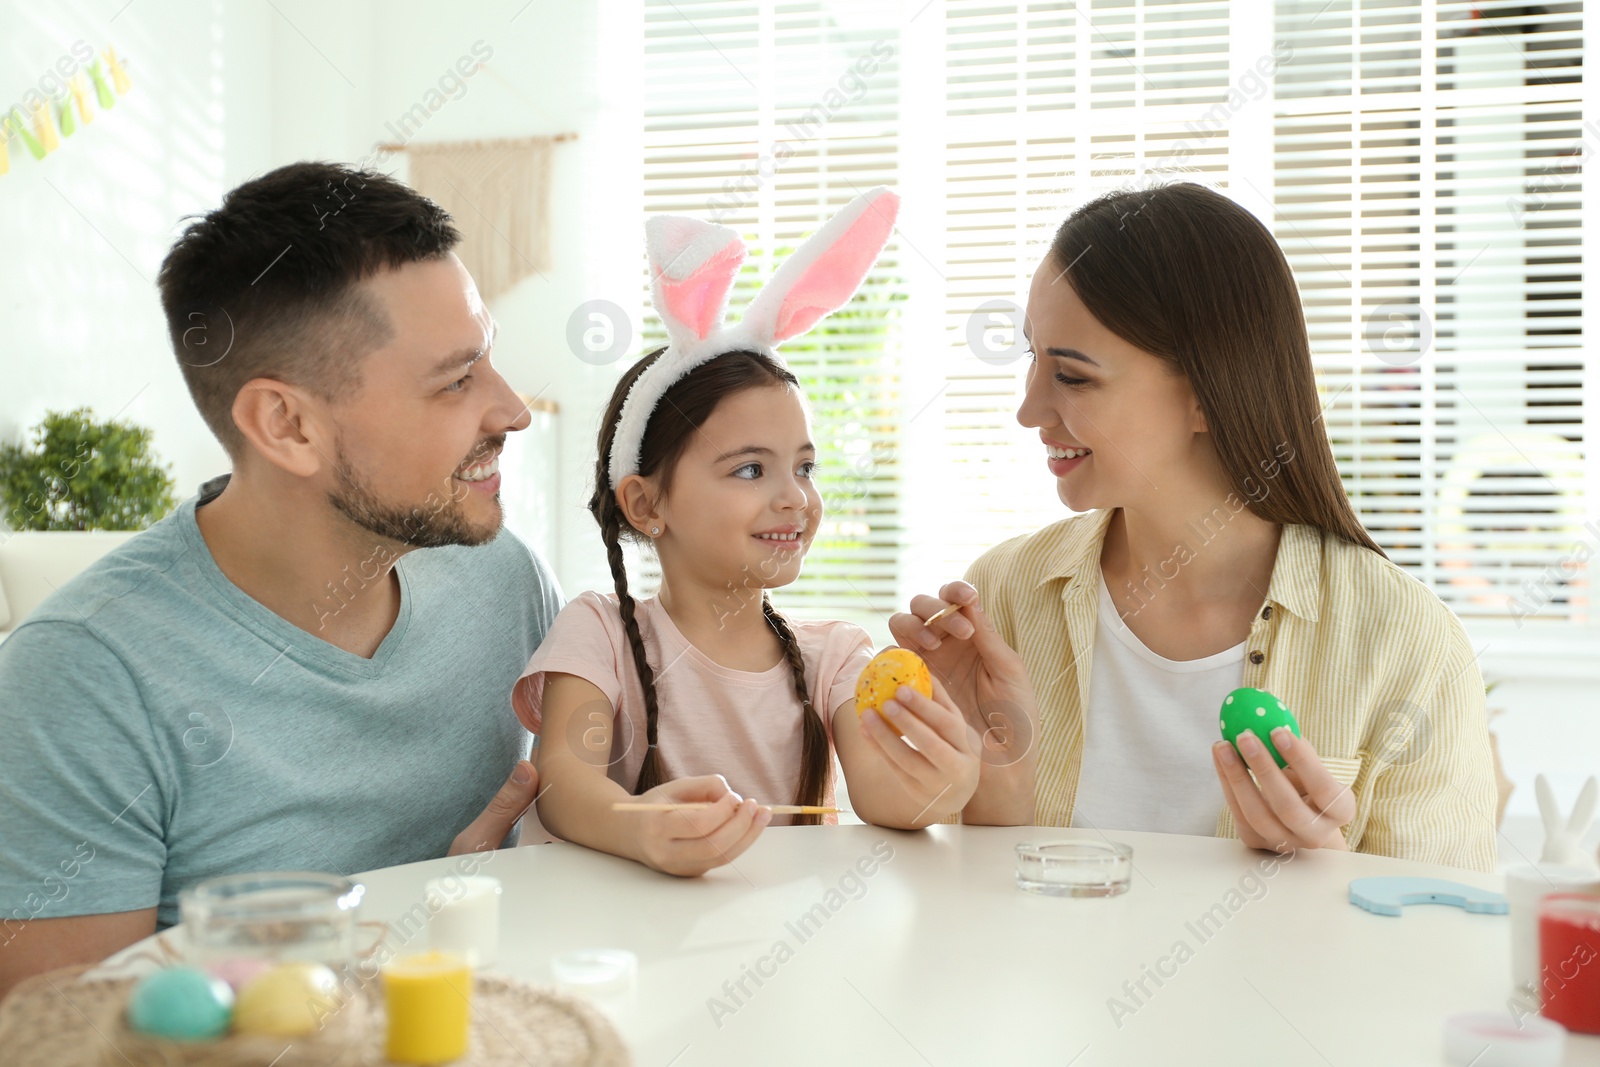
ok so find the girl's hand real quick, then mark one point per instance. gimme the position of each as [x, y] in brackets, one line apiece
[985, 677]
[940, 774]
[690, 843]
[1300, 806]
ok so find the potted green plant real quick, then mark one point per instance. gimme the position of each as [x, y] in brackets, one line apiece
[81, 474]
[82, 489]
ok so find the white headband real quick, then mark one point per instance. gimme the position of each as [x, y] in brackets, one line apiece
[693, 265]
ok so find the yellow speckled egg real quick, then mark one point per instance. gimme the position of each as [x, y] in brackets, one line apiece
[290, 1000]
[888, 671]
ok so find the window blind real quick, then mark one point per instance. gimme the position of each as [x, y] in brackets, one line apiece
[1046, 104]
[769, 118]
[1426, 161]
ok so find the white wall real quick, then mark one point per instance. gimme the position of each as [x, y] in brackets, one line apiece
[223, 93]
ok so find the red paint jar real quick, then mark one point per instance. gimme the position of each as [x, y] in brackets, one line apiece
[1569, 960]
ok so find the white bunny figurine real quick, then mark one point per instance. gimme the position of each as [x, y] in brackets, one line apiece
[1563, 843]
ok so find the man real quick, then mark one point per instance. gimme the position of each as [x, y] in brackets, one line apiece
[274, 677]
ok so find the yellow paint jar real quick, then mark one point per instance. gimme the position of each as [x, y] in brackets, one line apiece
[429, 1000]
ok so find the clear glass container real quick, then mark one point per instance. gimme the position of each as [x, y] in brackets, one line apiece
[606, 977]
[280, 916]
[1501, 1039]
[1074, 868]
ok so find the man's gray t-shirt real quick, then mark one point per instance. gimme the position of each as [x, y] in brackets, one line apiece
[159, 727]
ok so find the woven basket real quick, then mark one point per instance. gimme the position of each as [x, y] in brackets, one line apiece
[65, 1019]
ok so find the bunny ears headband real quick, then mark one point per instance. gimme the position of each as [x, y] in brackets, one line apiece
[693, 265]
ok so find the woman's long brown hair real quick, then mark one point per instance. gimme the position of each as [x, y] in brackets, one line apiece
[1188, 275]
[683, 409]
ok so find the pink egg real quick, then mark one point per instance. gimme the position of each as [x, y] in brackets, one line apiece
[237, 970]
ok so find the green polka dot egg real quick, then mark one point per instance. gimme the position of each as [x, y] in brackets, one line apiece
[1259, 712]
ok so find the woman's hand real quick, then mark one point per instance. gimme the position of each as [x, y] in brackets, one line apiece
[983, 675]
[935, 778]
[690, 843]
[1300, 806]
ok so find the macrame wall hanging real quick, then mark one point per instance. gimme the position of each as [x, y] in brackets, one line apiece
[498, 191]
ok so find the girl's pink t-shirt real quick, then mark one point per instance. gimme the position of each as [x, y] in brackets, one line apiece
[743, 725]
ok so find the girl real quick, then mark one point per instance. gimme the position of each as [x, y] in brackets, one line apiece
[706, 693]
[1172, 390]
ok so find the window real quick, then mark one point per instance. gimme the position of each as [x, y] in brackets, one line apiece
[1420, 164]
[1425, 172]
[1044, 108]
[768, 119]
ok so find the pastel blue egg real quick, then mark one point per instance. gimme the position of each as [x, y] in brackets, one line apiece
[181, 1004]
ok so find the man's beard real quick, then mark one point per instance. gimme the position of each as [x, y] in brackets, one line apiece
[437, 522]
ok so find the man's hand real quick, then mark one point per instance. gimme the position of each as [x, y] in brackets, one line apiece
[489, 829]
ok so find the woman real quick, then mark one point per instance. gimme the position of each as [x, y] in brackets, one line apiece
[1172, 388]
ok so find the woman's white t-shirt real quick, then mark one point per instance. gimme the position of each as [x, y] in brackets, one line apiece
[1150, 725]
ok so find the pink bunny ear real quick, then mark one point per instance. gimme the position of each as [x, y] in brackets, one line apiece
[692, 267]
[824, 272]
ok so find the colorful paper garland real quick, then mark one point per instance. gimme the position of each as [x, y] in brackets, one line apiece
[49, 120]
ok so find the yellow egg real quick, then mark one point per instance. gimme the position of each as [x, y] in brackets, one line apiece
[290, 1000]
[888, 671]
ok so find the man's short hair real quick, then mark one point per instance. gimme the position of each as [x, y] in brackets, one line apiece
[265, 285]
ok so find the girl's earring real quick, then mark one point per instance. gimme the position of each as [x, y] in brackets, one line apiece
[655, 531]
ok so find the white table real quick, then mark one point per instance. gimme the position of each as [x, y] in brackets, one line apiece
[942, 960]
